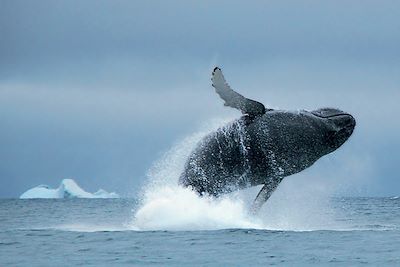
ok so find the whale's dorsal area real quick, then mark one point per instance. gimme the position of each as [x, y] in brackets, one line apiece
[234, 99]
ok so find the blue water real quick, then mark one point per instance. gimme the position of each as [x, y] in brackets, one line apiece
[71, 232]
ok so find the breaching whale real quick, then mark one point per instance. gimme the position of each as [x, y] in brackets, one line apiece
[262, 147]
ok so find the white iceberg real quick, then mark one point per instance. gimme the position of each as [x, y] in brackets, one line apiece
[67, 189]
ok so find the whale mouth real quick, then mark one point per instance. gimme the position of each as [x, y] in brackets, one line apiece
[340, 125]
[329, 113]
[343, 127]
[343, 133]
[343, 121]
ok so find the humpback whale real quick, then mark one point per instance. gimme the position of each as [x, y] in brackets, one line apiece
[262, 147]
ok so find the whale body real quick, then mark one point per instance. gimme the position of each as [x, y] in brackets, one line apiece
[262, 147]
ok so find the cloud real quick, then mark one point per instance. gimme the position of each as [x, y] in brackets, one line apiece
[97, 90]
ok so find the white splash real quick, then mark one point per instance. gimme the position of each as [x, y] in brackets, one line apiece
[177, 208]
[295, 206]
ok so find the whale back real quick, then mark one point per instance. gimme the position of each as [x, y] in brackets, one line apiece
[249, 152]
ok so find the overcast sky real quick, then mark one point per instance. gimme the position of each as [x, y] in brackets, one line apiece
[98, 90]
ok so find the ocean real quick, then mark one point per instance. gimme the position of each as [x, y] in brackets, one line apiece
[303, 223]
[128, 232]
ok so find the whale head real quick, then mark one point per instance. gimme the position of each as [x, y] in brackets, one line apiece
[339, 126]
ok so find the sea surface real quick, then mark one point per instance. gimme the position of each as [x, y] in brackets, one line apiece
[126, 232]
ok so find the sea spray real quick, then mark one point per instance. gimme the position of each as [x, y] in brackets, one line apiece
[167, 206]
[297, 205]
[177, 208]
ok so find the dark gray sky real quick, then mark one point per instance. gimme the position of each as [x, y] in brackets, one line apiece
[97, 90]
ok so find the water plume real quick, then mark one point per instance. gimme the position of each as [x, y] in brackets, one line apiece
[167, 206]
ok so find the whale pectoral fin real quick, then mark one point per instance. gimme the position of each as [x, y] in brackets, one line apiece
[234, 99]
[262, 197]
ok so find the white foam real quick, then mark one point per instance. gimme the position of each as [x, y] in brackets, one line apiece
[177, 208]
[297, 205]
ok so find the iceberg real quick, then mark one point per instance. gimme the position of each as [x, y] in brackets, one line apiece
[67, 189]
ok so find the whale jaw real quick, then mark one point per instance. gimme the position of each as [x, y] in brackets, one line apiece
[340, 124]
